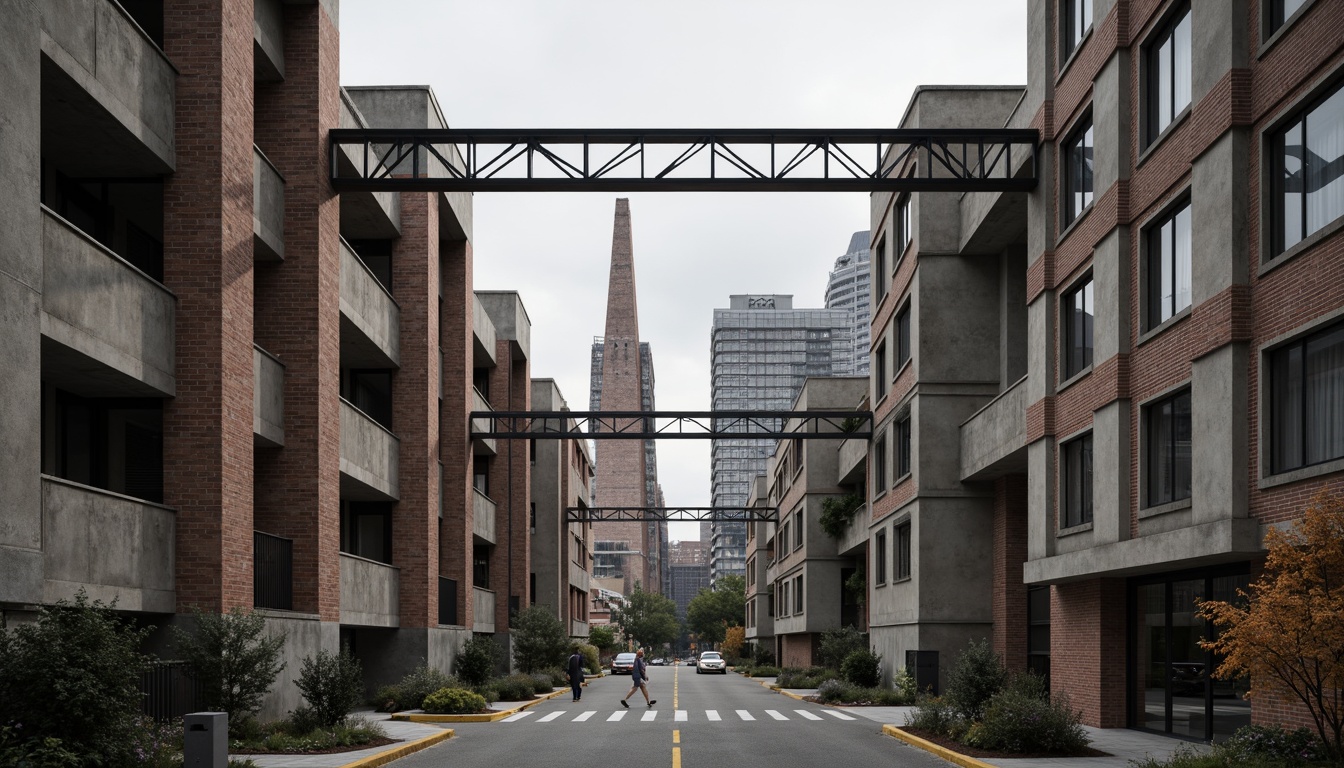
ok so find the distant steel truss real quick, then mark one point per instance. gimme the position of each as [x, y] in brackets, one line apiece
[671, 515]
[660, 425]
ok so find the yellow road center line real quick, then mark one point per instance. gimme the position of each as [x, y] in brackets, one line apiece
[676, 737]
[676, 757]
[675, 672]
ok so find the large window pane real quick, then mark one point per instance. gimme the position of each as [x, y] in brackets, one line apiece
[1078, 173]
[1325, 162]
[1325, 396]
[1168, 449]
[1288, 192]
[1189, 662]
[1150, 657]
[1181, 260]
[1078, 329]
[1077, 482]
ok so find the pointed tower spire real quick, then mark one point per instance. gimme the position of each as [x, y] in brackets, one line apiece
[622, 311]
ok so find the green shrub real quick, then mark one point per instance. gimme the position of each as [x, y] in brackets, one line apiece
[291, 735]
[454, 701]
[544, 682]
[841, 692]
[903, 683]
[762, 655]
[976, 677]
[18, 749]
[519, 687]
[1185, 756]
[72, 680]
[332, 684]
[837, 644]
[477, 661]
[936, 714]
[811, 677]
[234, 659]
[763, 672]
[1271, 742]
[487, 691]
[556, 678]
[540, 640]
[1019, 721]
[837, 512]
[592, 661]
[862, 668]
[411, 690]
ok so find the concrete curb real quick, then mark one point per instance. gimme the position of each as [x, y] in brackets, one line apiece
[928, 746]
[779, 690]
[491, 717]
[383, 758]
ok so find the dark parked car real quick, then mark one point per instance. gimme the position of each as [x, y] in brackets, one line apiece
[623, 663]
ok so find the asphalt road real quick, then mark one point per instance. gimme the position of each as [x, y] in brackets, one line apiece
[699, 721]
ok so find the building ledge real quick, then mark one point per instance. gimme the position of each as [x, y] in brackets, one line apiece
[1222, 541]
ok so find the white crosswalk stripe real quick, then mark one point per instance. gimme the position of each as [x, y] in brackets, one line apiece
[517, 717]
[585, 716]
[681, 716]
[837, 715]
[648, 716]
[744, 714]
[550, 717]
[807, 714]
[775, 714]
[617, 715]
[713, 715]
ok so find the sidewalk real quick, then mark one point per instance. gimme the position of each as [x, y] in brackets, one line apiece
[412, 737]
[1121, 744]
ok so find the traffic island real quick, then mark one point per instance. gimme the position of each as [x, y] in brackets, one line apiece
[955, 758]
[480, 717]
[383, 758]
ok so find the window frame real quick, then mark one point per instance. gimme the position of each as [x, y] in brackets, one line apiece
[1275, 20]
[901, 327]
[798, 519]
[882, 274]
[1294, 119]
[903, 448]
[798, 595]
[879, 368]
[879, 459]
[1068, 517]
[1077, 137]
[1071, 39]
[1151, 416]
[1154, 268]
[1271, 358]
[904, 231]
[904, 565]
[1166, 31]
[880, 557]
[1081, 286]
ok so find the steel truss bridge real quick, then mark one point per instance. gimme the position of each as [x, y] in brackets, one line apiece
[671, 515]
[671, 425]
[685, 160]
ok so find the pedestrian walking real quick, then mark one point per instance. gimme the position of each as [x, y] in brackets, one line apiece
[576, 673]
[639, 674]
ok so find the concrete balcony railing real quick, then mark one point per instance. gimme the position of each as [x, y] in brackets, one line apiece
[487, 445]
[578, 577]
[268, 398]
[578, 628]
[268, 40]
[856, 533]
[100, 306]
[364, 214]
[994, 440]
[110, 545]
[370, 319]
[482, 336]
[370, 455]
[483, 610]
[483, 517]
[370, 593]
[268, 209]
[110, 62]
[852, 461]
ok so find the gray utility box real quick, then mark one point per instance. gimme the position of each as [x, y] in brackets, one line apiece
[205, 740]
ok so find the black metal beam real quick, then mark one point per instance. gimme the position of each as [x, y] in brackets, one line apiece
[670, 515]
[672, 425]
[684, 160]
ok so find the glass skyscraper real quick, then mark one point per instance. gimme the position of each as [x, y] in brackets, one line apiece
[848, 288]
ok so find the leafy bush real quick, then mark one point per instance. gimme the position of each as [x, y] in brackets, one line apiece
[1272, 742]
[835, 691]
[603, 637]
[78, 664]
[519, 687]
[763, 672]
[812, 677]
[837, 512]
[411, 690]
[16, 748]
[454, 701]
[976, 677]
[540, 640]
[545, 681]
[837, 644]
[862, 668]
[234, 659]
[1184, 756]
[1018, 720]
[936, 714]
[762, 655]
[288, 736]
[903, 683]
[332, 684]
[488, 691]
[841, 692]
[477, 660]
[592, 662]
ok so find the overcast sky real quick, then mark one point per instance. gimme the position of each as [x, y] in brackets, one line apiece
[677, 64]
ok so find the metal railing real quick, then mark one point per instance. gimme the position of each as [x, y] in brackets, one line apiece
[272, 571]
[169, 690]
[447, 601]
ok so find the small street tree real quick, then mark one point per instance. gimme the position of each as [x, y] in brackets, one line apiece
[734, 638]
[1287, 632]
[602, 637]
[539, 640]
[714, 610]
[234, 659]
[647, 618]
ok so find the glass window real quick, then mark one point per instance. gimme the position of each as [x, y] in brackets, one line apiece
[798, 529]
[880, 370]
[903, 447]
[1169, 266]
[1280, 11]
[1308, 166]
[1038, 632]
[1078, 319]
[1077, 20]
[1077, 481]
[1168, 449]
[879, 459]
[881, 275]
[903, 337]
[1168, 72]
[903, 551]
[1078, 172]
[880, 557]
[1307, 401]
[798, 595]
[903, 234]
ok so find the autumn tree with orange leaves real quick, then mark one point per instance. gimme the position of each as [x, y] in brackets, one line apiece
[1287, 632]
[733, 640]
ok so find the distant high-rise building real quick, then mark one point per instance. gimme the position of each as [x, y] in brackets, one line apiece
[761, 350]
[622, 380]
[848, 289]
[688, 572]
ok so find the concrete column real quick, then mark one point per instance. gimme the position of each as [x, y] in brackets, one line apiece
[1219, 214]
[1220, 423]
[455, 340]
[21, 304]
[1220, 40]
[208, 265]
[1111, 473]
[1111, 280]
[1013, 339]
[1040, 499]
[298, 312]
[1111, 121]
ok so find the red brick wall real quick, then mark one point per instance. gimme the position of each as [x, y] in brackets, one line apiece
[1087, 648]
[207, 209]
[455, 332]
[1009, 600]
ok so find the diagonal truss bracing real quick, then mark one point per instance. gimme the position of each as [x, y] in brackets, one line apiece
[658, 425]
[857, 160]
[671, 515]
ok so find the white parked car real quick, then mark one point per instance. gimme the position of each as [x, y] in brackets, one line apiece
[711, 662]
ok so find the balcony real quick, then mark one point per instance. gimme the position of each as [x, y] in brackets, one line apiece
[107, 327]
[110, 545]
[994, 440]
[108, 92]
[483, 518]
[482, 336]
[370, 319]
[364, 215]
[483, 610]
[855, 536]
[852, 461]
[268, 399]
[578, 577]
[268, 209]
[370, 458]
[272, 571]
[578, 628]
[369, 593]
[268, 40]
[485, 445]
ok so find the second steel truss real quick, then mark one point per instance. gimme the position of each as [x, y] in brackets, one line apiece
[660, 425]
[671, 515]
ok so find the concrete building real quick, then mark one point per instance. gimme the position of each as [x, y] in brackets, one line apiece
[224, 385]
[761, 349]
[849, 287]
[688, 572]
[561, 552]
[622, 380]
[1122, 406]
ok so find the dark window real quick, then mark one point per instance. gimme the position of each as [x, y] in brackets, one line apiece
[115, 444]
[881, 275]
[1169, 266]
[532, 516]
[1077, 20]
[1279, 12]
[903, 232]
[903, 337]
[880, 558]
[880, 370]
[879, 459]
[1168, 62]
[1308, 163]
[1077, 481]
[1038, 632]
[144, 251]
[366, 530]
[798, 595]
[480, 566]
[1078, 317]
[1169, 449]
[1078, 172]
[1307, 401]
[480, 474]
[903, 551]
[371, 392]
[902, 447]
[480, 379]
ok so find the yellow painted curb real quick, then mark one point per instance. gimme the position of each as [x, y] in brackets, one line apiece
[779, 690]
[928, 746]
[421, 717]
[383, 758]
